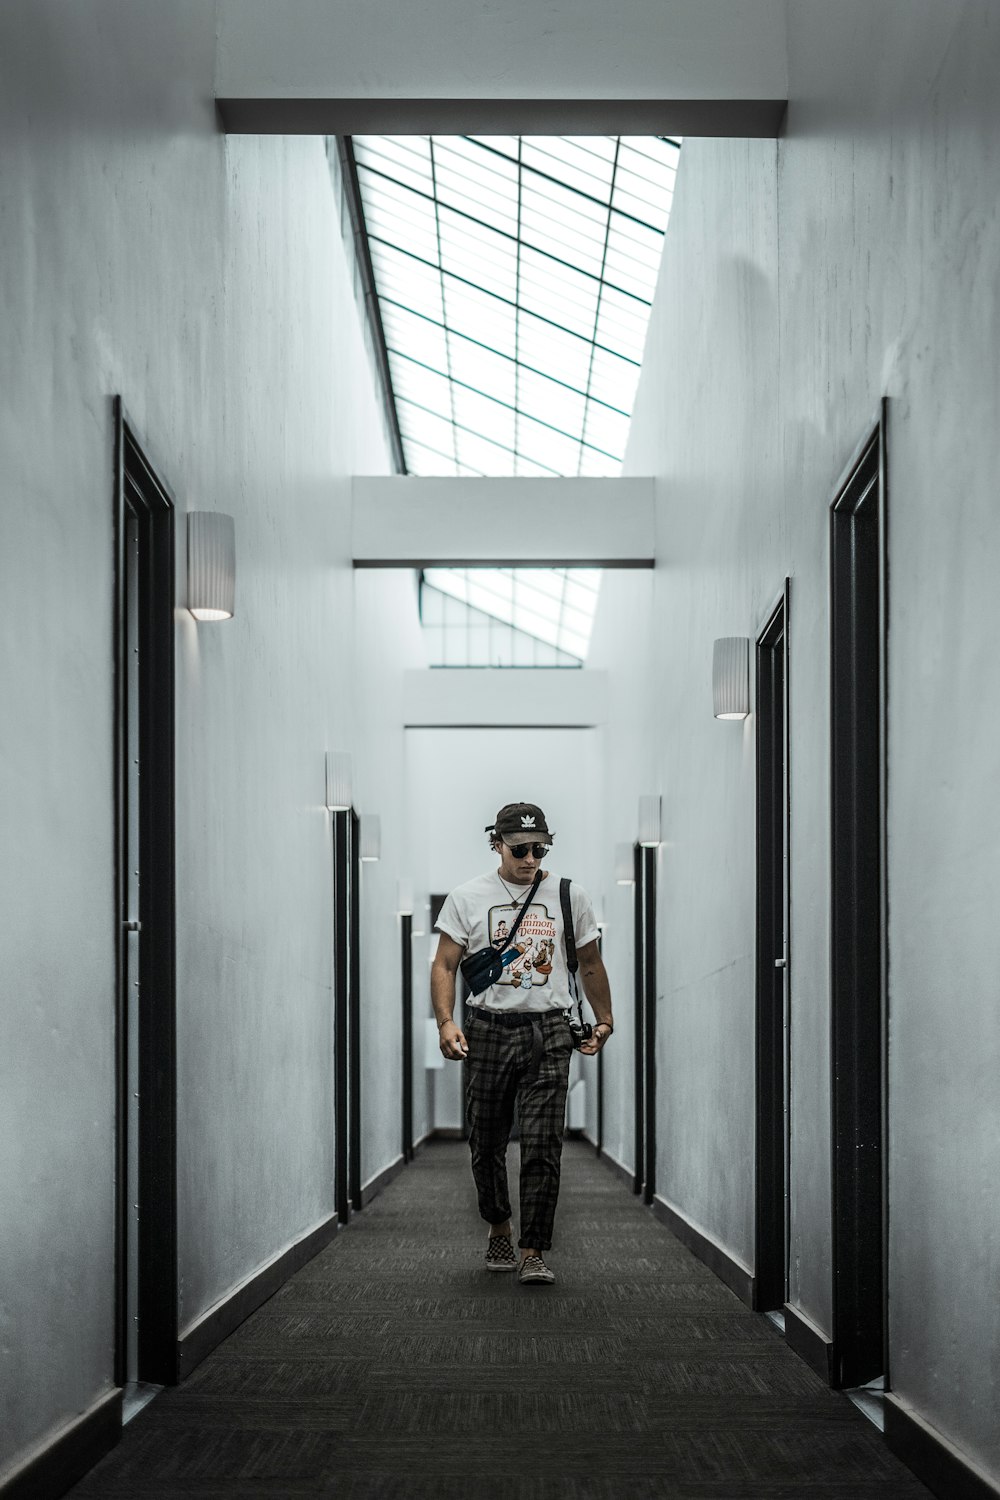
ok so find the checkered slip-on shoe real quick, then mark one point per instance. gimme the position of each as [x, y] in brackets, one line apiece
[500, 1253]
[534, 1269]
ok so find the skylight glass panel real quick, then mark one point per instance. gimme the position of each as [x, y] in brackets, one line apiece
[555, 605]
[495, 373]
[539, 250]
[515, 277]
[458, 635]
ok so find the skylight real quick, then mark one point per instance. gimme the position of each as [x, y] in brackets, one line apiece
[456, 634]
[555, 605]
[514, 278]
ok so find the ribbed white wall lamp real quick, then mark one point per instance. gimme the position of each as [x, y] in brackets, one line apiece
[371, 837]
[211, 565]
[624, 865]
[339, 790]
[649, 822]
[731, 677]
[404, 898]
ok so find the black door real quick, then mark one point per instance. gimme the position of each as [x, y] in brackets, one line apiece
[644, 1181]
[347, 1011]
[341, 1007]
[354, 1020]
[406, 997]
[772, 986]
[146, 1105]
[599, 1141]
[858, 1027]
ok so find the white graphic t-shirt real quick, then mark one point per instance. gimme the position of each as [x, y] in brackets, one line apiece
[481, 912]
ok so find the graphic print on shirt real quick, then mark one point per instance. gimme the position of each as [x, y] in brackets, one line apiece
[535, 943]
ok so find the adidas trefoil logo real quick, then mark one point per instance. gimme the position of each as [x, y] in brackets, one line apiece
[527, 821]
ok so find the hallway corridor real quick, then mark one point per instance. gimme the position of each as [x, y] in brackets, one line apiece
[392, 1365]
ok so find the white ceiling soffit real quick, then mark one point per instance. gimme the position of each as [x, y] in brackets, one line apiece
[423, 522]
[510, 50]
[535, 696]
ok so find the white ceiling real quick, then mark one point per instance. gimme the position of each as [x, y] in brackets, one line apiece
[505, 49]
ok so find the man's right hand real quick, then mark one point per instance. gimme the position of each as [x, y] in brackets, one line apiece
[453, 1044]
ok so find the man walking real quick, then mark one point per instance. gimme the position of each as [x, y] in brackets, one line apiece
[519, 1042]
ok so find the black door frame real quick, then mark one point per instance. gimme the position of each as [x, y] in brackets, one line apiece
[638, 1023]
[772, 1038]
[858, 926]
[140, 492]
[341, 1007]
[599, 1142]
[406, 995]
[354, 1023]
[644, 1177]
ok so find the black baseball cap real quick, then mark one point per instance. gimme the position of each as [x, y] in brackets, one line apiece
[521, 822]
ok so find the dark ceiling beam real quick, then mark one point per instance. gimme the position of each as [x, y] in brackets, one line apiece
[489, 561]
[758, 119]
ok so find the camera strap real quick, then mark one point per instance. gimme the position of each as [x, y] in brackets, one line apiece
[508, 940]
[569, 938]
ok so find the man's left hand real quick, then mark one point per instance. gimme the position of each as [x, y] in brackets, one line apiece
[596, 1041]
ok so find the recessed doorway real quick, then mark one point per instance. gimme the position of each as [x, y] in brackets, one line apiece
[347, 1012]
[772, 1148]
[858, 907]
[146, 1113]
[644, 1180]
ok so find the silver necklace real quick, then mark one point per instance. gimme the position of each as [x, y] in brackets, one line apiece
[513, 899]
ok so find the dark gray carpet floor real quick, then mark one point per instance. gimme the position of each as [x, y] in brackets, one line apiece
[394, 1366]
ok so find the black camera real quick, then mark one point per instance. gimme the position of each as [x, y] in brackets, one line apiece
[581, 1031]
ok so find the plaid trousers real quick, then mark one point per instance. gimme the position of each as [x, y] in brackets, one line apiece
[501, 1071]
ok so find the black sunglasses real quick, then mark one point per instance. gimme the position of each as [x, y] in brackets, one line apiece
[520, 850]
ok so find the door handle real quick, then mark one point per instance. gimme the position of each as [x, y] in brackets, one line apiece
[132, 926]
[781, 963]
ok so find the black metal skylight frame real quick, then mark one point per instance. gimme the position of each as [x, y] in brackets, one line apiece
[355, 209]
[401, 363]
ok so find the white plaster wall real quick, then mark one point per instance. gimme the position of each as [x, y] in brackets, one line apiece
[468, 696]
[457, 780]
[800, 283]
[621, 645]
[894, 268]
[388, 646]
[205, 280]
[517, 49]
[453, 520]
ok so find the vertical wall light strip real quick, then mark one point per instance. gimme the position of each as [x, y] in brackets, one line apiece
[211, 565]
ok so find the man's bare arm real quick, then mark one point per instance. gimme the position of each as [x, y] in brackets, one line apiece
[443, 970]
[598, 992]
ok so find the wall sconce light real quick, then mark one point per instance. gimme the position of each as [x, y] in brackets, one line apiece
[211, 565]
[404, 898]
[649, 822]
[731, 677]
[371, 837]
[624, 865]
[339, 791]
